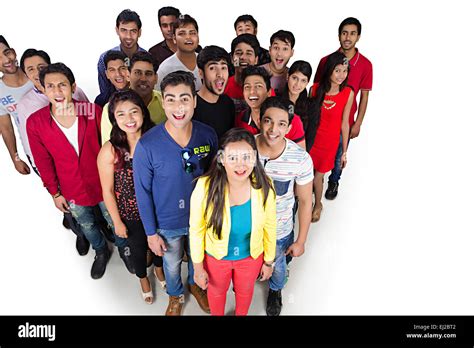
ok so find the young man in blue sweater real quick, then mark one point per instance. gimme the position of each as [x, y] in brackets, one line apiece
[166, 161]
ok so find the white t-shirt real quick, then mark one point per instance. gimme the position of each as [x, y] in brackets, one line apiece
[293, 165]
[71, 133]
[172, 64]
[9, 98]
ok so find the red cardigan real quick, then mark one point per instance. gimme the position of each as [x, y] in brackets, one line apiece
[58, 163]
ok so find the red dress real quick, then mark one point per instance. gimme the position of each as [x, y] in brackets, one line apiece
[323, 152]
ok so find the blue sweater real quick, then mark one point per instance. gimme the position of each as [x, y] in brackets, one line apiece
[163, 187]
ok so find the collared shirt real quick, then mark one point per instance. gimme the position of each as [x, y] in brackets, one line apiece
[155, 107]
[106, 87]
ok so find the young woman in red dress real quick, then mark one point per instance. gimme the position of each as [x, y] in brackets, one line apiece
[333, 100]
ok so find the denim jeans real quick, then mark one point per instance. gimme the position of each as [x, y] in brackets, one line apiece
[87, 221]
[277, 280]
[176, 242]
[336, 172]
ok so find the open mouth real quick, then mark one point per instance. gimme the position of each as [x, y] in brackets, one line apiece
[131, 125]
[279, 61]
[189, 42]
[220, 84]
[253, 98]
[179, 117]
[59, 100]
[240, 172]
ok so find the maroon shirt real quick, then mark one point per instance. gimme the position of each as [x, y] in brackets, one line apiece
[61, 168]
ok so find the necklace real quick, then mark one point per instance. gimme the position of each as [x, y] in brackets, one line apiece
[328, 103]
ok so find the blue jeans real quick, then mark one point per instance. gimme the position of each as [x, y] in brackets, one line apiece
[337, 170]
[176, 241]
[87, 221]
[277, 280]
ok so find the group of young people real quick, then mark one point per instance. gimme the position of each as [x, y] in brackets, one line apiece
[188, 153]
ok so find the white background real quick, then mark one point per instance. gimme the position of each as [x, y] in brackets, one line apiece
[399, 237]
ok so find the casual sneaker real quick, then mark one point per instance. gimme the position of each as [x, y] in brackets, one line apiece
[82, 245]
[125, 255]
[201, 297]
[100, 263]
[175, 306]
[274, 303]
[331, 191]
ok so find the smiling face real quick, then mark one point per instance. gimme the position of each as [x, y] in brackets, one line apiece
[143, 78]
[339, 74]
[118, 74]
[245, 27]
[8, 62]
[128, 34]
[215, 76]
[166, 26]
[33, 66]
[280, 54]
[129, 117]
[186, 38]
[58, 89]
[238, 159]
[255, 91]
[179, 104]
[297, 83]
[274, 126]
[244, 55]
[349, 37]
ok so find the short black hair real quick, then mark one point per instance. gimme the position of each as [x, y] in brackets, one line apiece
[114, 55]
[348, 21]
[143, 56]
[57, 68]
[278, 102]
[31, 52]
[249, 39]
[168, 11]
[285, 36]
[127, 16]
[212, 54]
[184, 20]
[257, 71]
[4, 41]
[179, 78]
[245, 18]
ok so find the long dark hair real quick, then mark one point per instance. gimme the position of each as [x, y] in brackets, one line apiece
[218, 179]
[118, 138]
[324, 86]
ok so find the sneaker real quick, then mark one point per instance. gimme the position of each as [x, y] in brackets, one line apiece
[331, 191]
[82, 245]
[125, 255]
[175, 306]
[100, 263]
[201, 297]
[274, 303]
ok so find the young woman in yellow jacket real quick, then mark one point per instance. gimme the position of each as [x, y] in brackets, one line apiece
[233, 223]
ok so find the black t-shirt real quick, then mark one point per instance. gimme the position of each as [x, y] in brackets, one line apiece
[220, 116]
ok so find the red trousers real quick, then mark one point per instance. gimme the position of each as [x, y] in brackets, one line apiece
[243, 273]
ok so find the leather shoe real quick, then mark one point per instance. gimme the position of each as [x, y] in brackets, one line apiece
[274, 303]
[100, 263]
[125, 255]
[175, 306]
[201, 297]
[331, 191]
[82, 245]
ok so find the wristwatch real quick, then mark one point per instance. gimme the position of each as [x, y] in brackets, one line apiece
[272, 265]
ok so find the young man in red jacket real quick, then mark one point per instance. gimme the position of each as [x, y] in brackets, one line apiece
[65, 140]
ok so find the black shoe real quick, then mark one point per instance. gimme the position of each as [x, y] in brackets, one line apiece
[125, 253]
[100, 263]
[331, 191]
[66, 223]
[82, 245]
[108, 233]
[274, 303]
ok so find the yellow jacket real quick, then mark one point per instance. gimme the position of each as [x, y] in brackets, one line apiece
[262, 237]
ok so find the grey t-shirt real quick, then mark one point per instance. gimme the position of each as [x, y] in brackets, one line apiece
[172, 64]
[9, 98]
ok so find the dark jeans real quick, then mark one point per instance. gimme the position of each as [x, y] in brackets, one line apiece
[337, 170]
[138, 244]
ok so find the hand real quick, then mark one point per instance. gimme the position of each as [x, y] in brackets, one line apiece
[21, 167]
[157, 245]
[120, 230]
[296, 249]
[61, 203]
[343, 160]
[355, 130]
[201, 278]
[265, 272]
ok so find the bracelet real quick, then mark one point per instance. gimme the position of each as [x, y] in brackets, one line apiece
[57, 194]
[269, 264]
[17, 158]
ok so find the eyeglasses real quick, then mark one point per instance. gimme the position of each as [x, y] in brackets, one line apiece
[186, 155]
